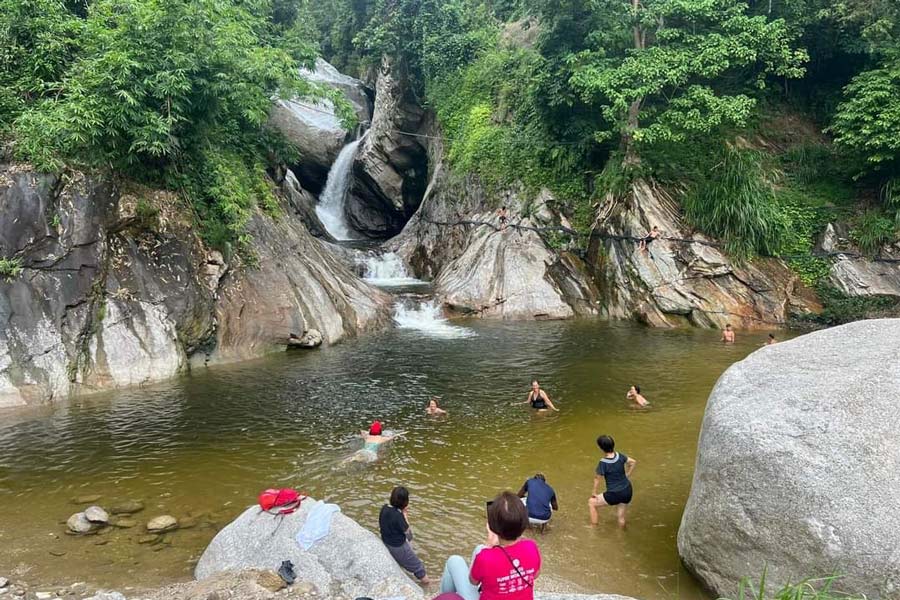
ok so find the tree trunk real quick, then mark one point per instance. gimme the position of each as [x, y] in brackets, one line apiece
[634, 109]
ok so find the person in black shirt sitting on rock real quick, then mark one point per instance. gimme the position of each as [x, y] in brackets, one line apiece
[396, 534]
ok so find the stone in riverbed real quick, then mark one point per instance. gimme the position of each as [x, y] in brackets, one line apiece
[310, 339]
[127, 508]
[3, 582]
[150, 538]
[79, 523]
[123, 522]
[95, 514]
[86, 499]
[162, 523]
[797, 466]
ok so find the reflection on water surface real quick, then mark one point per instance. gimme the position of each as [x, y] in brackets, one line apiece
[203, 446]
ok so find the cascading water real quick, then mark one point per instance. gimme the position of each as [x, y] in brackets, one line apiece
[331, 203]
[387, 270]
[427, 318]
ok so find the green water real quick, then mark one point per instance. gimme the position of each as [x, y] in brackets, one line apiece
[203, 446]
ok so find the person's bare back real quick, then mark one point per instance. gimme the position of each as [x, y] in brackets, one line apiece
[634, 394]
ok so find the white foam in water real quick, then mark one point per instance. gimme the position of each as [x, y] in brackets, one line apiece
[331, 203]
[427, 318]
[387, 270]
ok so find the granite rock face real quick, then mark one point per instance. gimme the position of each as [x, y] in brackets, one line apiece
[797, 466]
[349, 561]
[390, 167]
[116, 289]
[455, 240]
[684, 278]
[314, 127]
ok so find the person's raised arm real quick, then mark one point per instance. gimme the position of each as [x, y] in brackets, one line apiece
[629, 466]
[523, 491]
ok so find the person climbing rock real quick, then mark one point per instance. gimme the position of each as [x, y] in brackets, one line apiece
[503, 217]
[645, 242]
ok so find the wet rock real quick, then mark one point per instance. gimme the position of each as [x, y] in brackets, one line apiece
[798, 450]
[127, 508]
[79, 523]
[162, 523]
[314, 127]
[310, 339]
[43, 595]
[86, 499]
[123, 522]
[150, 538]
[350, 561]
[3, 582]
[390, 169]
[684, 278]
[96, 515]
[510, 274]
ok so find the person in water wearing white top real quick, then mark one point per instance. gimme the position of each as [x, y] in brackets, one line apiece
[538, 398]
[616, 469]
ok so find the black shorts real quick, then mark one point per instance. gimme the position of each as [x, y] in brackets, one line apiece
[620, 497]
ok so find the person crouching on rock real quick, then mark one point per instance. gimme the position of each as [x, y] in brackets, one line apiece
[616, 469]
[397, 535]
[505, 566]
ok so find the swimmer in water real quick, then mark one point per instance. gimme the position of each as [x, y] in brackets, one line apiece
[373, 439]
[434, 409]
[771, 340]
[634, 394]
[539, 399]
[728, 334]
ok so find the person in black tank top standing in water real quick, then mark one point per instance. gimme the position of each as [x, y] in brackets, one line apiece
[616, 469]
[538, 398]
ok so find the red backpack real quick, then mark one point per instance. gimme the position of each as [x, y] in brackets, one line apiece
[280, 502]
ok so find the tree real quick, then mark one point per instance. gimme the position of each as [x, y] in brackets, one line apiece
[660, 70]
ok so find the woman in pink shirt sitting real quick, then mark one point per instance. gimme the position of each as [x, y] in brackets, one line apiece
[505, 567]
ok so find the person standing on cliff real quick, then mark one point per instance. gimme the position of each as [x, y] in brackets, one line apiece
[728, 334]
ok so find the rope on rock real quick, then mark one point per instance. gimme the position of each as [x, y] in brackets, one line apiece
[610, 236]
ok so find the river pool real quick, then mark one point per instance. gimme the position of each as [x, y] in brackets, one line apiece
[201, 448]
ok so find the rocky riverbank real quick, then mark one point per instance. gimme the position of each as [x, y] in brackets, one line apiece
[348, 563]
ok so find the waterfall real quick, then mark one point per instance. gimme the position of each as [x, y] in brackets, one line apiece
[427, 318]
[331, 203]
[387, 270]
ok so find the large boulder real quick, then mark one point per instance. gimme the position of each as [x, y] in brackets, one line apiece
[117, 289]
[391, 165]
[349, 561]
[797, 466]
[684, 278]
[511, 274]
[853, 273]
[314, 127]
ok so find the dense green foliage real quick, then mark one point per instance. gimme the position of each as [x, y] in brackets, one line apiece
[167, 92]
[578, 96]
[822, 588]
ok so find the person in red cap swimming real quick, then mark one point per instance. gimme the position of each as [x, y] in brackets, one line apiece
[372, 441]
